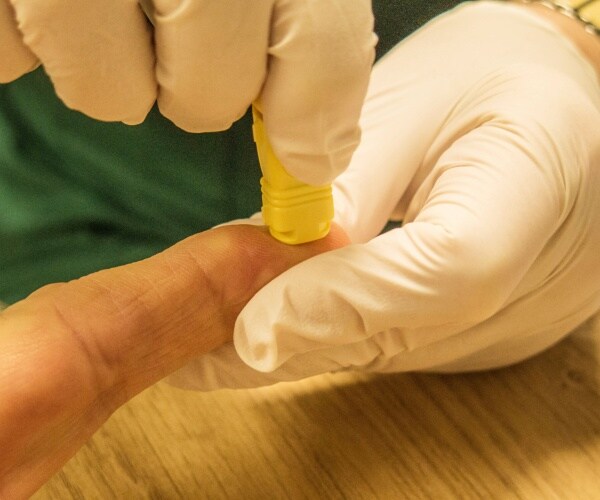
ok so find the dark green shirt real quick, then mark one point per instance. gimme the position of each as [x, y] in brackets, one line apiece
[77, 195]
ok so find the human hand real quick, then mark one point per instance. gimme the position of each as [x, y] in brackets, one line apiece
[480, 132]
[205, 62]
[72, 353]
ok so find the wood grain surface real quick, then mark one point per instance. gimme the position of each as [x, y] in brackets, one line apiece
[530, 431]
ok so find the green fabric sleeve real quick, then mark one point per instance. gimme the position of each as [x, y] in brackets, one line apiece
[77, 195]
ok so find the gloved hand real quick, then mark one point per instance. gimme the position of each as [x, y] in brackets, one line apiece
[308, 60]
[480, 133]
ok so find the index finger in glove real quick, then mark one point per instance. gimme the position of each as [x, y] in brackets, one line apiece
[99, 55]
[321, 54]
[16, 58]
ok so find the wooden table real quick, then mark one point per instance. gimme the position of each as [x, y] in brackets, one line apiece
[530, 431]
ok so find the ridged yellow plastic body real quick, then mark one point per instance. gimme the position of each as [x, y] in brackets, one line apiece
[295, 212]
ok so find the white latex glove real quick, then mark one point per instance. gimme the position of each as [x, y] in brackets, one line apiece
[308, 60]
[482, 133]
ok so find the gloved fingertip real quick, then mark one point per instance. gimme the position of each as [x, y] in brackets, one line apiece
[194, 121]
[138, 118]
[110, 111]
[261, 355]
[316, 169]
[166, 7]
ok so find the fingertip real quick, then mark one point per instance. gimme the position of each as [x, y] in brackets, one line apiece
[166, 7]
[312, 120]
[211, 60]
[195, 118]
[314, 158]
[267, 317]
[337, 237]
[258, 352]
[130, 108]
[140, 114]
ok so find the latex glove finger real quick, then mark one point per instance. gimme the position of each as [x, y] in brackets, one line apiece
[16, 58]
[99, 55]
[212, 59]
[311, 60]
[320, 59]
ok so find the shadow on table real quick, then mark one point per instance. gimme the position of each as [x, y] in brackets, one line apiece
[532, 427]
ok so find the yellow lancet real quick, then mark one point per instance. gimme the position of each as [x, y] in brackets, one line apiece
[295, 212]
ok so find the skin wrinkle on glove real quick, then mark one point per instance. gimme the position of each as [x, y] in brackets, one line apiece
[497, 184]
